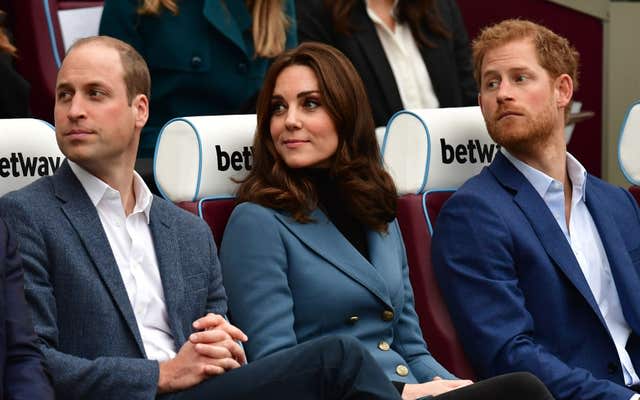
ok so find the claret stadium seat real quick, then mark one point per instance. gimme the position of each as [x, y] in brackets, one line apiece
[28, 150]
[430, 153]
[42, 32]
[197, 160]
[629, 148]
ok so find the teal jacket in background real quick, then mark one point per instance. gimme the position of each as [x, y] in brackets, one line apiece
[201, 61]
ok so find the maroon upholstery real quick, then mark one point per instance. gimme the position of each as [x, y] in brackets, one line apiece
[635, 191]
[38, 50]
[215, 212]
[191, 206]
[435, 321]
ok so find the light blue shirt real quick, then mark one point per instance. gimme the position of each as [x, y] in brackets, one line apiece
[582, 234]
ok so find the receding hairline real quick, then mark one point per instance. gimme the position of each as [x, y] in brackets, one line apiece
[135, 71]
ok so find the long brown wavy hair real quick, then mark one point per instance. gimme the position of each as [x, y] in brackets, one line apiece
[356, 166]
[269, 22]
[418, 14]
[5, 44]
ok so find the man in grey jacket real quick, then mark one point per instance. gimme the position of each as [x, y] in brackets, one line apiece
[125, 288]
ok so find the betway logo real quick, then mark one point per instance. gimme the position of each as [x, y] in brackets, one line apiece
[20, 165]
[473, 152]
[237, 160]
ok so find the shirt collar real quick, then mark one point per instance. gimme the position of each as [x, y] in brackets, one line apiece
[97, 189]
[541, 182]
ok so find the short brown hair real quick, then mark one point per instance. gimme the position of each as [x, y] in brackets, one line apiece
[356, 165]
[555, 54]
[136, 72]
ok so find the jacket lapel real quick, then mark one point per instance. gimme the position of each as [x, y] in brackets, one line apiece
[83, 216]
[231, 19]
[367, 37]
[165, 242]
[619, 260]
[326, 241]
[545, 226]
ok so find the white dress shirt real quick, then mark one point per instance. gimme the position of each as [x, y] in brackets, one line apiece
[584, 238]
[132, 246]
[409, 69]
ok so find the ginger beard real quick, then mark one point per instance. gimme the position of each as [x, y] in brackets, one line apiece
[522, 132]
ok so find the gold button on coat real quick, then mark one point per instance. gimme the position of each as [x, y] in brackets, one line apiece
[387, 315]
[384, 346]
[402, 370]
[353, 319]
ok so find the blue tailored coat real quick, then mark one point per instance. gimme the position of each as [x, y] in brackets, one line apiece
[202, 60]
[515, 290]
[86, 326]
[289, 282]
[22, 370]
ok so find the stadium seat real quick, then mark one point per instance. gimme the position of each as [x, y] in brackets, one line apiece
[628, 148]
[28, 150]
[41, 26]
[197, 160]
[430, 153]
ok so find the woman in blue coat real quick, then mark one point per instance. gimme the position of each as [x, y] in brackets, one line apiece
[314, 248]
[206, 57]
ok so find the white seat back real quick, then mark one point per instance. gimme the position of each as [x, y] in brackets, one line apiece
[28, 151]
[436, 149]
[629, 145]
[198, 157]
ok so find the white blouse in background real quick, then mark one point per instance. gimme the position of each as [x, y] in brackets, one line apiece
[409, 69]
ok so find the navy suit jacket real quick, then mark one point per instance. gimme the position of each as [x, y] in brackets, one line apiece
[448, 64]
[516, 292]
[290, 282]
[22, 372]
[82, 314]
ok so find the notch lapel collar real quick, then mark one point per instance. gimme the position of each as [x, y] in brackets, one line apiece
[619, 260]
[545, 226]
[84, 218]
[165, 242]
[326, 241]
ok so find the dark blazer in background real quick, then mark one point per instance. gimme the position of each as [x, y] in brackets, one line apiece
[516, 292]
[201, 61]
[14, 91]
[449, 64]
[82, 314]
[22, 371]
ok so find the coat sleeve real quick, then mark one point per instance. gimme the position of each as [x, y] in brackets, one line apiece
[25, 375]
[472, 252]
[254, 268]
[73, 377]
[408, 339]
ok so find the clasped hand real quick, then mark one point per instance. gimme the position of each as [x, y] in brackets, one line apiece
[212, 350]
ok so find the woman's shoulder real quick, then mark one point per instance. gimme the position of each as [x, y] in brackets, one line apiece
[252, 211]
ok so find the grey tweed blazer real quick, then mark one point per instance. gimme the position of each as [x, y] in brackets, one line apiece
[82, 315]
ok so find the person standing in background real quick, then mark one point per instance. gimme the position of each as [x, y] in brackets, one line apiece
[206, 57]
[410, 54]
